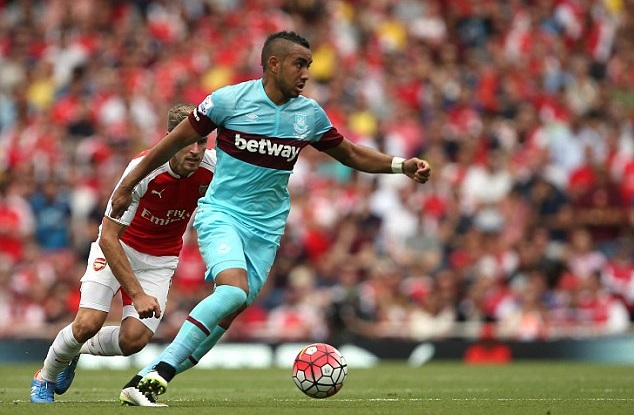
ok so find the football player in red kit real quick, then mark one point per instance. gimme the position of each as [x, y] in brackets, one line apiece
[136, 254]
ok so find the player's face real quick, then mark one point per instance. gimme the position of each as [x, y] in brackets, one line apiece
[187, 160]
[293, 74]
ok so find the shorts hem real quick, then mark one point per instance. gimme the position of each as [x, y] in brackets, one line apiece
[222, 266]
[95, 306]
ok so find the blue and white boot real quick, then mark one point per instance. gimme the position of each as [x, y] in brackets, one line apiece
[65, 378]
[42, 391]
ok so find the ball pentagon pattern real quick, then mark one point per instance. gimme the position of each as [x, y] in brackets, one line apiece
[319, 370]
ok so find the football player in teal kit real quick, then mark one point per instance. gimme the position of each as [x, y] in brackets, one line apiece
[262, 126]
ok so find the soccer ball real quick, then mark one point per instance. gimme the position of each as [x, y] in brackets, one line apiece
[319, 370]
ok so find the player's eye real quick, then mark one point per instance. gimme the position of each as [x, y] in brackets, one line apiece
[302, 64]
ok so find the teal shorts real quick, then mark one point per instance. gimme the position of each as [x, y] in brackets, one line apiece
[225, 243]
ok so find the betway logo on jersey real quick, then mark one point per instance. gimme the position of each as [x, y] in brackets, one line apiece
[266, 146]
[260, 150]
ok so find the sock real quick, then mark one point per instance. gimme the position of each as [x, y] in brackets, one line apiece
[133, 382]
[193, 358]
[104, 343]
[201, 350]
[223, 301]
[61, 352]
[166, 371]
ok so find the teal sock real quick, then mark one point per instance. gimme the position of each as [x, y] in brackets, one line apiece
[225, 300]
[202, 350]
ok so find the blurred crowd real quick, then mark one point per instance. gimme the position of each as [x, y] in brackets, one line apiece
[524, 108]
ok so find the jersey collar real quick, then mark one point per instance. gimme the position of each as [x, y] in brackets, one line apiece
[266, 97]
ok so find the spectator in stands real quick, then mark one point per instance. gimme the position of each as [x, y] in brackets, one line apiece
[51, 208]
[597, 312]
[16, 223]
[301, 315]
[618, 275]
[601, 210]
[582, 257]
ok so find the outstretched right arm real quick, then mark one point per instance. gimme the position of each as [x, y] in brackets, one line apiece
[183, 135]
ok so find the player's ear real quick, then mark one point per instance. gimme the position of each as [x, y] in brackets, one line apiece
[274, 64]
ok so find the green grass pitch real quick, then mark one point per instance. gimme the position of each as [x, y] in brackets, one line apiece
[437, 388]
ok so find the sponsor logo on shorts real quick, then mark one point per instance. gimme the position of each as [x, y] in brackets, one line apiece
[99, 264]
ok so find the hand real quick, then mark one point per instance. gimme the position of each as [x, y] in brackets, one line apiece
[147, 306]
[121, 199]
[417, 169]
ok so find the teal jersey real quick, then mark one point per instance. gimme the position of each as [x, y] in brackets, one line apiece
[257, 145]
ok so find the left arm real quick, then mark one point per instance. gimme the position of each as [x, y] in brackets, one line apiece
[371, 161]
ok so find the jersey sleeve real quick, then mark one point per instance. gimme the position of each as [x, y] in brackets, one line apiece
[331, 138]
[213, 111]
[209, 160]
[199, 119]
[326, 136]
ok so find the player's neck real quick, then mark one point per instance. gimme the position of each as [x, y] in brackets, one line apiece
[176, 170]
[275, 95]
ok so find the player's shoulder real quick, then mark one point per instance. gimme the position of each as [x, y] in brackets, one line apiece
[209, 160]
[303, 102]
[162, 169]
[229, 97]
[238, 89]
[135, 160]
[210, 156]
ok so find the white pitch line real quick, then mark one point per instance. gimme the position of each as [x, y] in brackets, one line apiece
[18, 401]
[469, 399]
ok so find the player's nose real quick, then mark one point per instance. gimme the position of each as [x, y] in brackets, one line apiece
[195, 148]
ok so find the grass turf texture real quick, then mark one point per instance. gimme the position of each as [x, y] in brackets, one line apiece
[549, 388]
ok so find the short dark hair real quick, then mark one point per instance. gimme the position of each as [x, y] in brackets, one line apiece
[178, 113]
[271, 43]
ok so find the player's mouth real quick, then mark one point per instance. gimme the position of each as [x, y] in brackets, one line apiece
[300, 87]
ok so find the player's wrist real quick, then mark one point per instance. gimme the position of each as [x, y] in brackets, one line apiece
[397, 165]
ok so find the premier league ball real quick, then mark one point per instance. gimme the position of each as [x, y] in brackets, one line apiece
[319, 370]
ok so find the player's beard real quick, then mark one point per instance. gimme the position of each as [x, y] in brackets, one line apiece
[289, 90]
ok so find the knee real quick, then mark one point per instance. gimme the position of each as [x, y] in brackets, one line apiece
[225, 323]
[232, 297]
[131, 344]
[84, 329]
[234, 278]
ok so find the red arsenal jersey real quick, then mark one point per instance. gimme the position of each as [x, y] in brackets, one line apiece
[162, 205]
